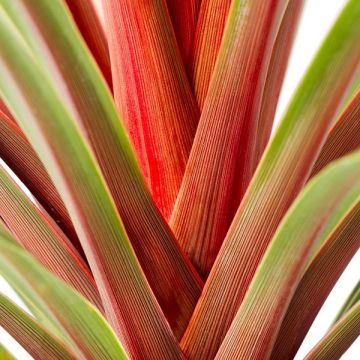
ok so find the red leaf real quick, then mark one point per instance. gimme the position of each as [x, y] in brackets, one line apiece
[152, 93]
[184, 17]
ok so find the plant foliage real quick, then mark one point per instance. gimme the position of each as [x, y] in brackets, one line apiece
[145, 210]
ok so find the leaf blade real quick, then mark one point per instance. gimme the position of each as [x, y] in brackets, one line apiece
[39, 234]
[286, 259]
[92, 29]
[30, 334]
[160, 115]
[221, 160]
[352, 299]
[343, 136]
[81, 320]
[73, 169]
[100, 124]
[319, 278]
[184, 17]
[338, 339]
[292, 151]
[209, 32]
[22, 159]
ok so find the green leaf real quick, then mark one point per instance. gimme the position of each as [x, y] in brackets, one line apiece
[339, 338]
[58, 48]
[32, 300]
[37, 341]
[125, 293]
[286, 259]
[38, 233]
[316, 284]
[18, 154]
[352, 299]
[83, 323]
[5, 354]
[281, 174]
[89, 22]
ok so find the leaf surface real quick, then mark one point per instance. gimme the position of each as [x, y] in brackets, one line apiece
[320, 277]
[344, 135]
[286, 259]
[207, 40]
[352, 299]
[152, 93]
[38, 342]
[129, 303]
[276, 73]
[282, 172]
[339, 338]
[90, 103]
[18, 154]
[83, 323]
[184, 18]
[221, 160]
[5, 354]
[88, 20]
[38, 233]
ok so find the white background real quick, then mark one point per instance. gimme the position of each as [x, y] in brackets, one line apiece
[317, 17]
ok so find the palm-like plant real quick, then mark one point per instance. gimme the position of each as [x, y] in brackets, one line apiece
[166, 224]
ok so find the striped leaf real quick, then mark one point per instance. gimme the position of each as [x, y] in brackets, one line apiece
[38, 342]
[38, 233]
[221, 160]
[152, 93]
[89, 22]
[124, 291]
[90, 104]
[207, 40]
[18, 154]
[343, 137]
[82, 322]
[276, 73]
[352, 299]
[339, 338]
[184, 18]
[281, 174]
[286, 259]
[317, 282]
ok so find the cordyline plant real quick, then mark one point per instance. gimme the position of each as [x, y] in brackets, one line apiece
[165, 223]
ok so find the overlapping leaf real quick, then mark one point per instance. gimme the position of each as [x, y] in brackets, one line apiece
[83, 323]
[38, 342]
[276, 73]
[207, 41]
[152, 93]
[344, 136]
[317, 282]
[39, 234]
[281, 174]
[184, 18]
[58, 47]
[92, 29]
[221, 161]
[352, 299]
[18, 154]
[134, 314]
[328, 195]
